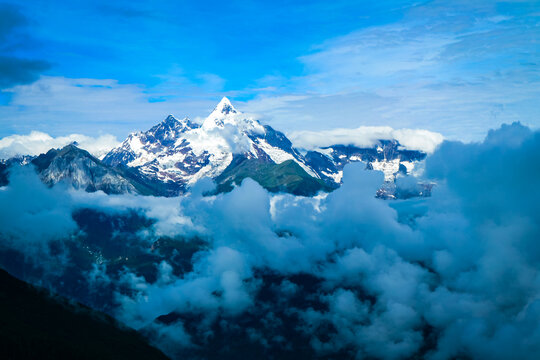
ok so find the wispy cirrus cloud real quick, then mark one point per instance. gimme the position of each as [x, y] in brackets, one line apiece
[457, 69]
[59, 106]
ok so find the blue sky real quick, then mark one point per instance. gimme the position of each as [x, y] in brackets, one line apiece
[94, 67]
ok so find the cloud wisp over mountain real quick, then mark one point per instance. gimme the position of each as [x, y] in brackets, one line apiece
[344, 274]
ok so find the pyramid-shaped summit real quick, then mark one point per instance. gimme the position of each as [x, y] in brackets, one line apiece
[223, 113]
[228, 147]
[225, 107]
[180, 155]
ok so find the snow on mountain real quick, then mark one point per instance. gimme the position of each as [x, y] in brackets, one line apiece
[139, 147]
[181, 152]
[223, 113]
[227, 146]
[386, 156]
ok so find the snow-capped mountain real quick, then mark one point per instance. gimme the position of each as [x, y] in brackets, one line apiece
[180, 152]
[387, 156]
[6, 164]
[227, 146]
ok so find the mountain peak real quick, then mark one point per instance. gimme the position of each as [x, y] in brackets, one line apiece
[225, 107]
[223, 112]
[169, 127]
[170, 118]
[171, 122]
[71, 147]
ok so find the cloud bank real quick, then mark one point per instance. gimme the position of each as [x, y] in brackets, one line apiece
[36, 143]
[368, 136]
[344, 275]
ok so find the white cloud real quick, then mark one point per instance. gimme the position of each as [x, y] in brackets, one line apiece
[59, 105]
[367, 136]
[38, 142]
[365, 57]
[370, 278]
[439, 68]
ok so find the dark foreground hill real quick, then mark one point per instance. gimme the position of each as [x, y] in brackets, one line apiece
[35, 325]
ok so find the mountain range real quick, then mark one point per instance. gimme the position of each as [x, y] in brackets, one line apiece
[228, 146]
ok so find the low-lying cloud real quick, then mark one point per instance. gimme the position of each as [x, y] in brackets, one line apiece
[347, 274]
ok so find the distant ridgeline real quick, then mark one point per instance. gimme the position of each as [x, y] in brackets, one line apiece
[227, 147]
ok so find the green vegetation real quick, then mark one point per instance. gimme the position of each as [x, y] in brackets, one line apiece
[285, 177]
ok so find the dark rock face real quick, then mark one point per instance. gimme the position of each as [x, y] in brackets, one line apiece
[37, 325]
[81, 170]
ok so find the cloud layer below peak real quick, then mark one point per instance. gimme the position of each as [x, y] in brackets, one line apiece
[455, 275]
